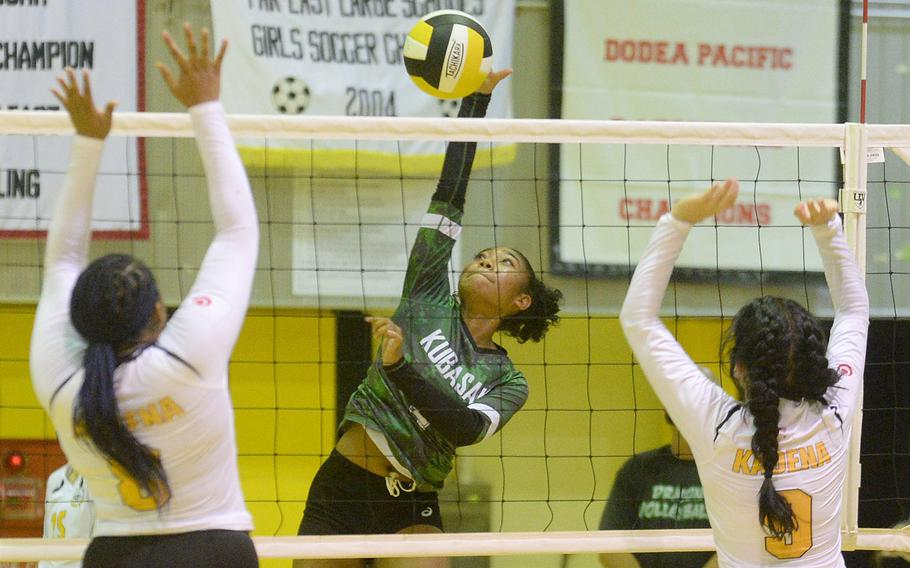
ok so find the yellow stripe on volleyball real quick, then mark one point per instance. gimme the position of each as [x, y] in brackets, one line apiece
[418, 41]
[426, 87]
[422, 33]
[477, 66]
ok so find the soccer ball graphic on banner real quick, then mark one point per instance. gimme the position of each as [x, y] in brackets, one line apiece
[290, 95]
[448, 108]
[448, 54]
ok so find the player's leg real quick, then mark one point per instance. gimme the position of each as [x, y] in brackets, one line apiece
[415, 562]
[339, 502]
[417, 513]
[223, 548]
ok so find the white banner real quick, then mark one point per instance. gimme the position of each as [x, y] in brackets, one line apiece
[343, 57]
[38, 39]
[352, 240]
[696, 60]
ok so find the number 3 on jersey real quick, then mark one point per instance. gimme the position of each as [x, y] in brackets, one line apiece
[134, 496]
[800, 541]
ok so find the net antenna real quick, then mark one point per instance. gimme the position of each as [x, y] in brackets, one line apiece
[853, 203]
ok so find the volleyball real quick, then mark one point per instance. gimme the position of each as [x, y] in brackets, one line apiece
[448, 54]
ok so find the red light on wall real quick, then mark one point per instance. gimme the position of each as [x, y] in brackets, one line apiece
[14, 462]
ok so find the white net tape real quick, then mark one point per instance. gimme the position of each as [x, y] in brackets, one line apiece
[461, 544]
[497, 130]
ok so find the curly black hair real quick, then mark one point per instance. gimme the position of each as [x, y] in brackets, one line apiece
[534, 322]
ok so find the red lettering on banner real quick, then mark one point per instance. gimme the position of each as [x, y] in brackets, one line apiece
[648, 209]
[645, 51]
[642, 209]
[745, 56]
[746, 214]
[665, 52]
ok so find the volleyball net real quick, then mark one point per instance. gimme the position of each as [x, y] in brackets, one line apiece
[340, 201]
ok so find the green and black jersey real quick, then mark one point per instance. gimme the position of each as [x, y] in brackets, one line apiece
[439, 349]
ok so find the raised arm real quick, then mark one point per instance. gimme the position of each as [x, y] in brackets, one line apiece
[205, 327]
[692, 400]
[847, 343]
[69, 234]
[427, 266]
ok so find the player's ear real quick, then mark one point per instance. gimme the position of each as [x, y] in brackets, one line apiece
[522, 301]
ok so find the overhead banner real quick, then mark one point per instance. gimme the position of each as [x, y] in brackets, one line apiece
[38, 40]
[343, 58]
[694, 60]
[357, 205]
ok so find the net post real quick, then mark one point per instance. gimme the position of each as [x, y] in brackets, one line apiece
[853, 204]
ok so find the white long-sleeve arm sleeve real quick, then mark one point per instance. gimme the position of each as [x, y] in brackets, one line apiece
[693, 401]
[847, 342]
[205, 327]
[66, 255]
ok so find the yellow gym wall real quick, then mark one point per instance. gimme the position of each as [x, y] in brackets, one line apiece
[565, 445]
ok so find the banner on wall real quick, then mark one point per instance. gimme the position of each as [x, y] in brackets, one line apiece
[693, 60]
[343, 58]
[38, 40]
[351, 233]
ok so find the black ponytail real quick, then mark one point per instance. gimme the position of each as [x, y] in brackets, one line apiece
[534, 322]
[112, 304]
[780, 348]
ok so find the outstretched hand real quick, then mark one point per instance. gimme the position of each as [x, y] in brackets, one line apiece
[87, 119]
[816, 211]
[694, 208]
[493, 79]
[392, 338]
[200, 75]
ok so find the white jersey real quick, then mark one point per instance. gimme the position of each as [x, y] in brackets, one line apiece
[173, 395]
[813, 439]
[68, 510]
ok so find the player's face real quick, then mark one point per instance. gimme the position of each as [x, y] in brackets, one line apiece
[740, 379]
[498, 278]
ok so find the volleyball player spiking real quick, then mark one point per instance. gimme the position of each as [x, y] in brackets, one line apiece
[773, 466]
[439, 381]
[140, 404]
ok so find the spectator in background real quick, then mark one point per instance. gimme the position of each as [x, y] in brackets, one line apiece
[658, 489]
[68, 510]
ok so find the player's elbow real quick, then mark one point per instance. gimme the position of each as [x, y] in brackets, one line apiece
[243, 233]
[631, 319]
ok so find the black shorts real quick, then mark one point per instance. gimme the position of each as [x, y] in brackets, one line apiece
[197, 549]
[347, 499]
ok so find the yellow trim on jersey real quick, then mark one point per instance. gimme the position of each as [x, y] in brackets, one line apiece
[340, 161]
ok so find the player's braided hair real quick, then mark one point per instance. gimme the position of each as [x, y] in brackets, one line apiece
[543, 312]
[111, 305]
[780, 348]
